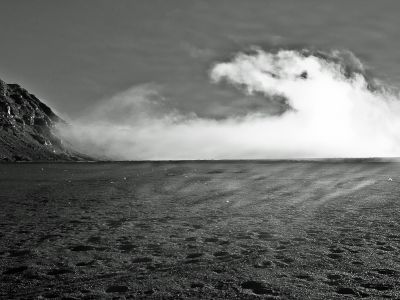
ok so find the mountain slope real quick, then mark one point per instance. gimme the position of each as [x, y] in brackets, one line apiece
[27, 128]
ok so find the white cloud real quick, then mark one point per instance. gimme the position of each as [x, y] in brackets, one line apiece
[334, 115]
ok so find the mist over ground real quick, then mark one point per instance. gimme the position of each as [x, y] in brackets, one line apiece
[313, 105]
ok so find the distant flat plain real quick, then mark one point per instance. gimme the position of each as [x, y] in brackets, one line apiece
[177, 230]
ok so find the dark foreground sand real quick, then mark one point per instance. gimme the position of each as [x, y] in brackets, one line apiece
[276, 230]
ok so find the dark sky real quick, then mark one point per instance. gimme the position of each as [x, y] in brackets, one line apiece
[74, 53]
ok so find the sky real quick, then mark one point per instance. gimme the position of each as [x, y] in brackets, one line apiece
[211, 79]
[75, 54]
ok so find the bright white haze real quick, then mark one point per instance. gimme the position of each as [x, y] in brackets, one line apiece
[333, 115]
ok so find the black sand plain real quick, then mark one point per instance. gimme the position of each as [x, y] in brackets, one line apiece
[200, 230]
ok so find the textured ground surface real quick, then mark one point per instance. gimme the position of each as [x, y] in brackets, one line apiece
[200, 230]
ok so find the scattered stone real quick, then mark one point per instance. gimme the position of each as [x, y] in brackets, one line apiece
[263, 264]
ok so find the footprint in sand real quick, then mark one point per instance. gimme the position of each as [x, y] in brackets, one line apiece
[117, 289]
[56, 272]
[305, 276]
[82, 248]
[211, 240]
[284, 259]
[221, 254]
[388, 272]
[334, 256]
[350, 291]
[378, 286]
[265, 236]
[15, 270]
[259, 288]
[144, 259]
[197, 285]
[18, 253]
[194, 255]
[127, 247]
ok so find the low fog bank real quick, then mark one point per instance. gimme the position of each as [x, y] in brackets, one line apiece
[334, 110]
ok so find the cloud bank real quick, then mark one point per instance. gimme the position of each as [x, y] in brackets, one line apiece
[335, 110]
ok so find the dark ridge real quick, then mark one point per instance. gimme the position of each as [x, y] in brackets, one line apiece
[372, 160]
[28, 129]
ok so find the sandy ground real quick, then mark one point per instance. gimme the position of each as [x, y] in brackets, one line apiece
[246, 230]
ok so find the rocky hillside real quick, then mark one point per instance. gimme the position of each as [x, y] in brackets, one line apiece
[27, 128]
